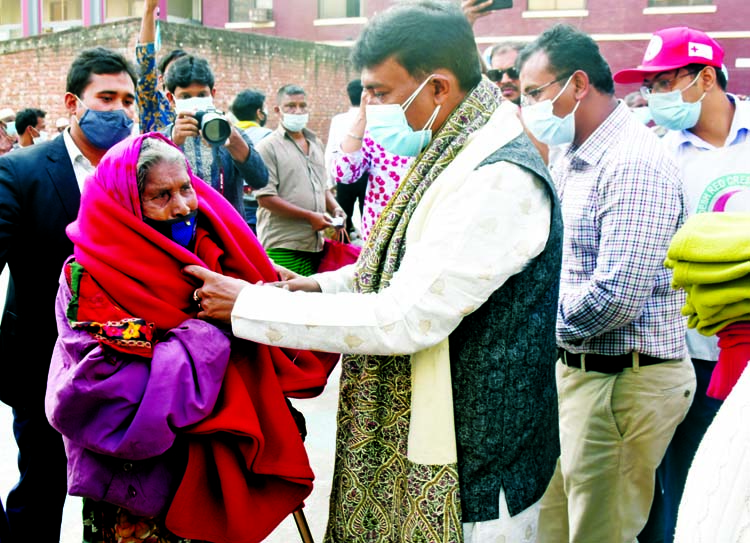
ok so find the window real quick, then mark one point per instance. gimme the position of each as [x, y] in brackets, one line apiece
[555, 5]
[10, 19]
[336, 9]
[678, 3]
[184, 10]
[253, 11]
[10, 12]
[123, 8]
[54, 11]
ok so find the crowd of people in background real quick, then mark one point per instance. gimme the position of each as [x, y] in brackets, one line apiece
[543, 338]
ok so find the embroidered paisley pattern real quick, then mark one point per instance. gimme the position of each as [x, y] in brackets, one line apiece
[378, 494]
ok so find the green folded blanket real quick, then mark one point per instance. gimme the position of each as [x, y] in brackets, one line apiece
[720, 294]
[697, 273]
[712, 237]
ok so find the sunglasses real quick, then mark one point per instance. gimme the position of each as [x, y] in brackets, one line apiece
[497, 75]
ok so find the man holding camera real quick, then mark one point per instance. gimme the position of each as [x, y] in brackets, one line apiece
[217, 152]
[296, 206]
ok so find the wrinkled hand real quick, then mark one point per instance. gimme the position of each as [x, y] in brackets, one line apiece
[185, 126]
[474, 9]
[319, 221]
[217, 295]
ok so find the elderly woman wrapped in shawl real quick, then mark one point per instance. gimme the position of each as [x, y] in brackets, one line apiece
[173, 427]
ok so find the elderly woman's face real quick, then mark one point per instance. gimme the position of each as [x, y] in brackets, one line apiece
[168, 193]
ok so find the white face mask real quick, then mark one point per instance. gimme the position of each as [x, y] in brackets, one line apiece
[196, 103]
[294, 122]
[43, 136]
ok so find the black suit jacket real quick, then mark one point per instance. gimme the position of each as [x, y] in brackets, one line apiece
[39, 197]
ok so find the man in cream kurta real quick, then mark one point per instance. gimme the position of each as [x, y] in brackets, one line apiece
[472, 231]
[463, 225]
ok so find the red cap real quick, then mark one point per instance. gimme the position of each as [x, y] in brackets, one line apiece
[674, 48]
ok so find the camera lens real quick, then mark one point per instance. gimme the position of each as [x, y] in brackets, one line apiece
[215, 128]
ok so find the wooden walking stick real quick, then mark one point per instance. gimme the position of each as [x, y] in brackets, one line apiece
[299, 515]
[304, 529]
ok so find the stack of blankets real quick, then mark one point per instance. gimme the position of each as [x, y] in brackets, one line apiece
[710, 260]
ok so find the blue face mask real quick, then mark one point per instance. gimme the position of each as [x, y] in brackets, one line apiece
[545, 125]
[180, 230]
[669, 110]
[388, 126]
[104, 129]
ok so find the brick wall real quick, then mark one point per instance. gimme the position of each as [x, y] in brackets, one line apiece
[35, 68]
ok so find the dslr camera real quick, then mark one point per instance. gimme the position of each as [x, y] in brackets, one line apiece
[215, 128]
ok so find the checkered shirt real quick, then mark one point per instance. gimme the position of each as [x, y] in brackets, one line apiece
[622, 203]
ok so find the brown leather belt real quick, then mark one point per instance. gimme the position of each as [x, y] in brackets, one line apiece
[606, 364]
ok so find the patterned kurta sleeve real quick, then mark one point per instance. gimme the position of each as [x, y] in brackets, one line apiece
[347, 168]
[154, 110]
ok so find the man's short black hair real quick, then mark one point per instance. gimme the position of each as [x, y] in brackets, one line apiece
[721, 77]
[99, 61]
[289, 90]
[569, 50]
[354, 90]
[28, 117]
[170, 57]
[422, 36]
[187, 70]
[246, 104]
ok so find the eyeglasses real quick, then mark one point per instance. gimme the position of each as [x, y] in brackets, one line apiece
[662, 85]
[530, 97]
[495, 75]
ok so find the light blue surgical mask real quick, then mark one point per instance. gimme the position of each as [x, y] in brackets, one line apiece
[643, 114]
[10, 128]
[295, 122]
[669, 110]
[388, 126]
[547, 127]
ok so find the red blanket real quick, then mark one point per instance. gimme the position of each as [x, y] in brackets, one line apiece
[247, 467]
[734, 354]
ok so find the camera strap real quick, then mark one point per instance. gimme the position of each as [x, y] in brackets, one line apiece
[220, 163]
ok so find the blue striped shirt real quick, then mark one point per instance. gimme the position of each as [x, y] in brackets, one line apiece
[622, 202]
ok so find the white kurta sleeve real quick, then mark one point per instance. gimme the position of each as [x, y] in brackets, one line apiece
[473, 238]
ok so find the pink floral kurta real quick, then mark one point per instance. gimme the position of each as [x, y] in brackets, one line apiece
[386, 171]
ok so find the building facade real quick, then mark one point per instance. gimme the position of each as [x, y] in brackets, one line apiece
[622, 28]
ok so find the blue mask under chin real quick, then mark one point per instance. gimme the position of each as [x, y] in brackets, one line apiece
[180, 230]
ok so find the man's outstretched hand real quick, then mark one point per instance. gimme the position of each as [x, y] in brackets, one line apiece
[217, 295]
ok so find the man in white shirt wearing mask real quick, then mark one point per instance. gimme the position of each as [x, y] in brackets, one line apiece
[296, 205]
[685, 88]
[31, 127]
[227, 159]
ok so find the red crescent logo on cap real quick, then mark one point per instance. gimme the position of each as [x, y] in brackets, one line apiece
[653, 49]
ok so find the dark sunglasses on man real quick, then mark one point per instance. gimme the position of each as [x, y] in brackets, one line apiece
[496, 75]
